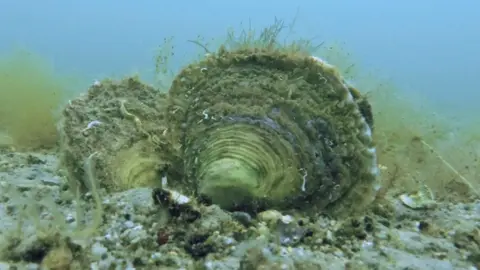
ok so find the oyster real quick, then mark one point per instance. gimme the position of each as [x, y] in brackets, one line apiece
[420, 199]
[115, 131]
[269, 128]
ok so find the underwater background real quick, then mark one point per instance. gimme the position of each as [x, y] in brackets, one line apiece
[371, 160]
[417, 63]
[427, 47]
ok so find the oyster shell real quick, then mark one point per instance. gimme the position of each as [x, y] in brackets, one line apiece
[267, 128]
[123, 123]
[420, 199]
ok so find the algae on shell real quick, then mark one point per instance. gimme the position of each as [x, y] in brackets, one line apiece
[248, 129]
[265, 128]
[117, 128]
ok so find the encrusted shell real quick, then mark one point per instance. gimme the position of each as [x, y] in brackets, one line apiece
[263, 128]
[113, 133]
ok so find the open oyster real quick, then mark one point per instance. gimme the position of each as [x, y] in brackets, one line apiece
[263, 128]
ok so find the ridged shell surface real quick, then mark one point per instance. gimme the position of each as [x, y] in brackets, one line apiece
[114, 134]
[265, 128]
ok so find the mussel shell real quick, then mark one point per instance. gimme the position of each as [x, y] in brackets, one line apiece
[264, 128]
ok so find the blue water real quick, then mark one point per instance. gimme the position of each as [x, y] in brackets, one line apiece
[428, 47]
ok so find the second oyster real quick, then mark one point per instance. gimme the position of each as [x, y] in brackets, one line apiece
[113, 135]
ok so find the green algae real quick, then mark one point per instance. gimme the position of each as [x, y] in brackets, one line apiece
[30, 94]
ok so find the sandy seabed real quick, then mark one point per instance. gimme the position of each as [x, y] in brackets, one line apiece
[138, 234]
